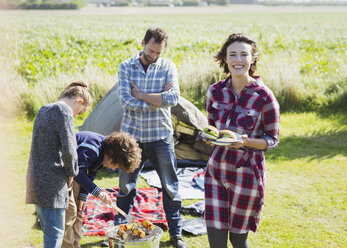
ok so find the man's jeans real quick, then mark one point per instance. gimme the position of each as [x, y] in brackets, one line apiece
[52, 222]
[162, 156]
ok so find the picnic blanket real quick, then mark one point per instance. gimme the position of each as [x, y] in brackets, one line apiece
[195, 226]
[97, 217]
[197, 208]
[188, 187]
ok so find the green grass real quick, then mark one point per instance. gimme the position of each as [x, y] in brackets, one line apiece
[302, 60]
[302, 55]
[305, 203]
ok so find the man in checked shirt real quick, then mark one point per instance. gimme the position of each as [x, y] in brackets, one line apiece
[148, 88]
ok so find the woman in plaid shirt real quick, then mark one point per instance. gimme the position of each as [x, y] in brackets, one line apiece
[235, 175]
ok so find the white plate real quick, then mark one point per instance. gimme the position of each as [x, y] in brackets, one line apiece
[221, 143]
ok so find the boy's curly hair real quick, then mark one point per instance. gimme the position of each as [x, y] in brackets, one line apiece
[123, 149]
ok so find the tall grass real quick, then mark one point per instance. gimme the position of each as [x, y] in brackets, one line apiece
[196, 77]
[49, 88]
[11, 88]
[302, 55]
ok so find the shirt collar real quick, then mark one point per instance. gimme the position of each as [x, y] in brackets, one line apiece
[135, 59]
[258, 82]
[226, 82]
[255, 85]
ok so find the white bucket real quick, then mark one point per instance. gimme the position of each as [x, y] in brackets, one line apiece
[151, 240]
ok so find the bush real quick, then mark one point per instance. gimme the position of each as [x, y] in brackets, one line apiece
[218, 2]
[161, 4]
[29, 105]
[339, 101]
[244, 1]
[177, 3]
[191, 2]
[195, 81]
[222, 2]
[122, 3]
[52, 5]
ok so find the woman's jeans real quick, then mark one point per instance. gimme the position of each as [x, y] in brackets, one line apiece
[162, 156]
[52, 222]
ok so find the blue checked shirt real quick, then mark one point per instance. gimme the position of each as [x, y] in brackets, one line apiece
[147, 125]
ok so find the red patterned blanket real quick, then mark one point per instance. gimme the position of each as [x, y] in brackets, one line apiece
[97, 217]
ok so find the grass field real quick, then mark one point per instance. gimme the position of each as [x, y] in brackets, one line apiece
[302, 54]
[303, 60]
[305, 203]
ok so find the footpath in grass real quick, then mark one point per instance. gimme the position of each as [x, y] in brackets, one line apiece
[305, 202]
[16, 218]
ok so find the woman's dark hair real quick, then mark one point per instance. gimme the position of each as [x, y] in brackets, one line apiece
[123, 149]
[78, 89]
[237, 37]
[158, 34]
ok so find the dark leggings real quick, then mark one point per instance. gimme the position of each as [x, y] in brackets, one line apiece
[219, 238]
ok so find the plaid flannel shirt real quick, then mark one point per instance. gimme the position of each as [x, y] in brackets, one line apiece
[254, 112]
[144, 124]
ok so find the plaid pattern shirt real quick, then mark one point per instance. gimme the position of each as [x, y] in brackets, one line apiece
[235, 178]
[144, 124]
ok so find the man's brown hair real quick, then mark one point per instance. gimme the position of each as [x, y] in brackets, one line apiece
[158, 34]
[123, 149]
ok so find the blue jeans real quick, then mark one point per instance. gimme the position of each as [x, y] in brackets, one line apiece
[52, 222]
[162, 156]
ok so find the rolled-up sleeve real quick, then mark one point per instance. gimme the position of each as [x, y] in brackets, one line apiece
[271, 122]
[127, 100]
[170, 98]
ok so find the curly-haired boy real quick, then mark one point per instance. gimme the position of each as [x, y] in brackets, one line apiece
[116, 150]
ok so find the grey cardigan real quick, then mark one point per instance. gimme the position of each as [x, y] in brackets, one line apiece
[53, 156]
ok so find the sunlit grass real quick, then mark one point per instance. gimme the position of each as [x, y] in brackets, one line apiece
[302, 59]
[302, 55]
[305, 202]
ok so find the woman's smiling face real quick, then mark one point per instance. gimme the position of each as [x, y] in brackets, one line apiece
[239, 58]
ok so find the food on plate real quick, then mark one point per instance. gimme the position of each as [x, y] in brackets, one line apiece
[221, 137]
[147, 224]
[227, 135]
[126, 227]
[211, 132]
[224, 140]
[122, 233]
[139, 233]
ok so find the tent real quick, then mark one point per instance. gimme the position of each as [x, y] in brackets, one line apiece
[187, 120]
